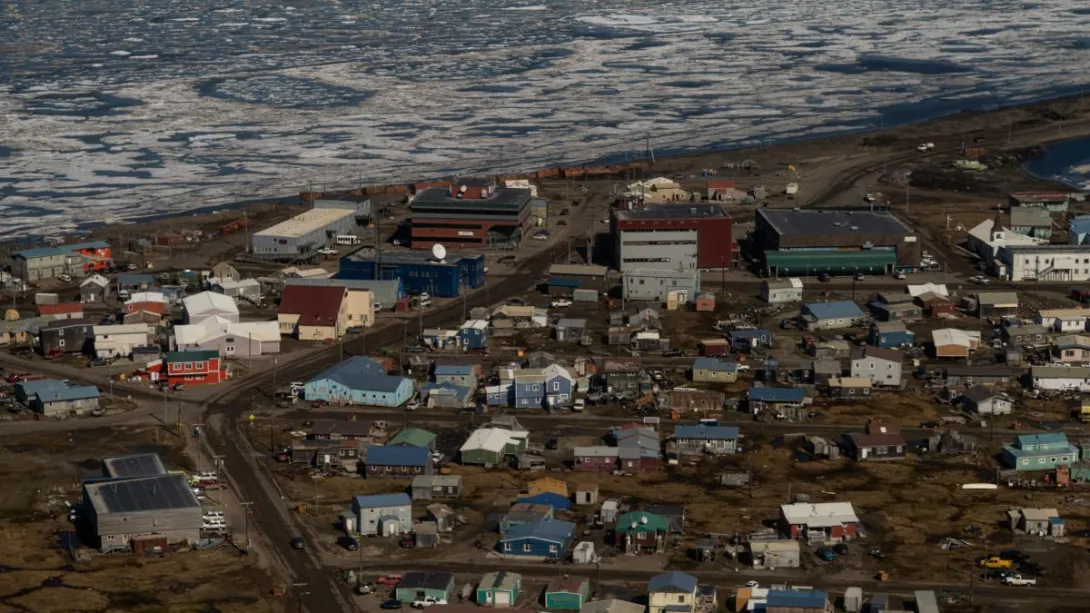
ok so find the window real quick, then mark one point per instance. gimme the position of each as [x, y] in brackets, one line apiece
[189, 366]
[526, 548]
[556, 386]
[535, 387]
[552, 549]
[507, 546]
[1025, 462]
[1053, 460]
[1040, 460]
[681, 598]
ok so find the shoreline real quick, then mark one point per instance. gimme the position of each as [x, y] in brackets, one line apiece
[668, 157]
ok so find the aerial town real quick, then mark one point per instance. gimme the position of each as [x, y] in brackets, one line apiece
[629, 389]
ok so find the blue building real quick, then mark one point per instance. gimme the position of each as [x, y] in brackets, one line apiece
[1043, 451]
[359, 380]
[458, 374]
[804, 600]
[502, 395]
[473, 334]
[559, 385]
[780, 402]
[888, 334]
[419, 271]
[830, 315]
[745, 341]
[27, 392]
[546, 538]
[135, 281]
[529, 389]
[397, 461]
[552, 499]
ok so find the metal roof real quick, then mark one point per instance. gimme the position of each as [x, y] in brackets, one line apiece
[130, 466]
[381, 501]
[352, 372]
[809, 599]
[704, 432]
[826, 221]
[63, 394]
[673, 581]
[589, 270]
[511, 199]
[714, 365]
[820, 514]
[681, 210]
[661, 273]
[397, 456]
[42, 252]
[420, 258]
[889, 355]
[545, 529]
[595, 451]
[833, 310]
[306, 222]
[500, 580]
[427, 580]
[1045, 438]
[415, 437]
[777, 394]
[437, 481]
[453, 369]
[157, 493]
[209, 301]
[1030, 216]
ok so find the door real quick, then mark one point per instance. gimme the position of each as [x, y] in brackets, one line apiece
[502, 599]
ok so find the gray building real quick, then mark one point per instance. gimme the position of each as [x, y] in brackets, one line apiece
[432, 487]
[987, 400]
[67, 401]
[305, 234]
[120, 511]
[133, 466]
[383, 515]
[1028, 221]
[244, 289]
[66, 336]
[94, 290]
[386, 293]
[32, 265]
[656, 284]
[570, 330]
[881, 366]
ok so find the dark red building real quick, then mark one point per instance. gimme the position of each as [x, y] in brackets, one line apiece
[194, 367]
[470, 213]
[677, 236]
[595, 459]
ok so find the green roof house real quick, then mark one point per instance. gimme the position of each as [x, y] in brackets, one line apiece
[499, 589]
[640, 532]
[567, 593]
[414, 437]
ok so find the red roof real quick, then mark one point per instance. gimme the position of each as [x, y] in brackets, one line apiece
[64, 308]
[159, 308]
[315, 306]
[720, 184]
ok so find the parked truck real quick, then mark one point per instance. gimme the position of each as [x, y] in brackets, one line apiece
[996, 562]
[1084, 411]
[1019, 581]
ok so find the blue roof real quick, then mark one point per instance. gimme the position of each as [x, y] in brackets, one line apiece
[361, 373]
[749, 333]
[1044, 438]
[382, 500]
[454, 369]
[81, 392]
[833, 310]
[810, 599]
[705, 432]
[1079, 225]
[61, 250]
[674, 581]
[36, 387]
[135, 278]
[564, 282]
[552, 499]
[398, 456]
[714, 364]
[545, 529]
[777, 394]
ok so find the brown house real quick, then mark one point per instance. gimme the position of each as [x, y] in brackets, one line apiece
[877, 442]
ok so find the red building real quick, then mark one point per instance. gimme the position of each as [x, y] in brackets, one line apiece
[675, 237]
[98, 255]
[597, 459]
[824, 521]
[194, 367]
[64, 310]
[470, 213]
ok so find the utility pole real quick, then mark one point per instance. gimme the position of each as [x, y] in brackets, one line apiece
[300, 594]
[246, 513]
[200, 452]
[218, 459]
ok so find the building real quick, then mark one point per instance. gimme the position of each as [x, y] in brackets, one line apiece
[639, 450]
[984, 374]
[989, 237]
[1061, 378]
[118, 341]
[657, 284]
[612, 605]
[205, 305]
[954, 343]
[546, 538]
[777, 402]
[224, 271]
[1078, 230]
[95, 289]
[419, 272]
[231, 340]
[692, 400]
[360, 381]
[596, 458]
[564, 279]
[65, 401]
[1026, 336]
[384, 294]
[674, 237]
[672, 592]
[471, 213]
[1043, 263]
[402, 462]
[1053, 202]
[123, 512]
[1063, 320]
[781, 291]
[640, 532]
[129, 281]
[434, 487]
[302, 236]
[802, 601]
[748, 341]
[774, 554]
[313, 313]
[194, 367]
[877, 442]
[885, 334]
[244, 289]
[414, 437]
[567, 593]
[66, 336]
[458, 374]
[986, 401]
[831, 315]
[1037, 452]
[133, 466]
[1037, 522]
[570, 330]
[473, 334]
[849, 387]
[824, 521]
[881, 366]
[78, 260]
[418, 585]
[702, 438]
[621, 376]
[658, 190]
[804, 242]
[522, 513]
[1034, 222]
[63, 310]
[499, 589]
[709, 347]
[1073, 349]
[383, 514]
[713, 370]
[492, 446]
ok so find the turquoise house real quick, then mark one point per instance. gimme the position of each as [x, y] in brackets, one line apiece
[499, 589]
[567, 593]
[1045, 451]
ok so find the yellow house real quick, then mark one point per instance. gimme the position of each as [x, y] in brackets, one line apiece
[360, 308]
[673, 591]
[547, 484]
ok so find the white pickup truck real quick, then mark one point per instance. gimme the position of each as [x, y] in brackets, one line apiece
[925, 147]
[1017, 580]
[428, 601]
[561, 303]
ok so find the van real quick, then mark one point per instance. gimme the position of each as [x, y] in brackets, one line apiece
[123, 294]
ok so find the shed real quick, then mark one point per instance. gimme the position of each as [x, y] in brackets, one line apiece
[432, 487]
[853, 600]
[586, 493]
[567, 593]
[499, 589]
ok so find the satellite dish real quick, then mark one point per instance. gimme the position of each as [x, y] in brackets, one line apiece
[462, 189]
[439, 251]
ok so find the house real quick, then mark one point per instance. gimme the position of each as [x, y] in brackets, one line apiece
[951, 442]
[612, 605]
[881, 366]
[596, 458]
[438, 338]
[545, 538]
[529, 386]
[823, 521]
[232, 340]
[831, 315]
[638, 449]
[781, 291]
[645, 319]
[124, 514]
[712, 370]
[1037, 452]
[850, 387]
[414, 437]
[672, 513]
[95, 290]
[801, 601]
[313, 313]
[199, 307]
[986, 401]
[621, 376]
[119, 340]
[418, 585]
[705, 303]
[152, 303]
[567, 593]
[877, 442]
[473, 334]
[1038, 522]
[985, 374]
[886, 334]
[338, 429]
[492, 446]
[459, 374]
[547, 484]
[383, 514]
[194, 367]
[823, 370]
[747, 341]
[239, 289]
[359, 381]
[569, 330]
[724, 189]
[432, 487]
[672, 592]
[899, 311]
[442, 517]
[135, 281]
[1071, 349]
[66, 336]
[640, 532]
[1061, 378]
[712, 347]
[1063, 320]
[779, 402]
[1034, 222]
[937, 306]
[689, 400]
[552, 499]
[522, 513]
[702, 438]
[1026, 336]
[618, 335]
[63, 400]
[996, 305]
[559, 385]
[62, 310]
[225, 272]
[586, 493]
[510, 316]
[774, 554]
[397, 461]
[953, 343]
[499, 589]
[77, 260]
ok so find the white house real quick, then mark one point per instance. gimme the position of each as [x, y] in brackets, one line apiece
[244, 289]
[383, 515]
[1060, 378]
[205, 305]
[988, 237]
[1044, 263]
[987, 401]
[249, 339]
[120, 340]
[781, 291]
[1063, 320]
[881, 366]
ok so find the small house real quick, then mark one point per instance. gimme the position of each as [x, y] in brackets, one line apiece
[897, 311]
[774, 554]
[991, 375]
[672, 592]
[94, 289]
[824, 521]
[849, 387]
[886, 334]
[552, 499]
[712, 370]
[383, 515]
[570, 330]
[824, 370]
[831, 315]
[877, 442]
[781, 291]
[546, 538]
[1036, 522]
[492, 446]
[996, 305]
[986, 401]
[403, 462]
[702, 438]
[778, 402]
[595, 458]
[442, 516]
[1060, 378]
[951, 442]
[640, 532]
[705, 302]
[800, 601]
[63, 401]
[1026, 336]
[458, 374]
[954, 343]
[414, 437]
[567, 593]
[418, 585]
[881, 366]
[66, 336]
[749, 341]
[447, 395]
[713, 347]
[586, 493]
[529, 386]
[692, 400]
[433, 487]
[1063, 320]
[638, 449]
[499, 589]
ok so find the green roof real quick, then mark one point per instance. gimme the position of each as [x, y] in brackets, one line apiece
[642, 521]
[191, 356]
[414, 437]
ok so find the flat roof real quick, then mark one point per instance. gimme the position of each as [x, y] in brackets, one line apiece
[129, 466]
[681, 210]
[578, 269]
[820, 222]
[156, 493]
[504, 198]
[412, 257]
[306, 222]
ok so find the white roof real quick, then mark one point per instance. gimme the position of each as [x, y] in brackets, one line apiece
[476, 324]
[122, 329]
[146, 297]
[216, 326]
[232, 284]
[767, 546]
[939, 289]
[209, 301]
[306, 222]
[953, 336]
[820, 514]
[1074, 314]
[1038, 514]
[983, 232]
[306, 273]
[98, 280]
[488, 439]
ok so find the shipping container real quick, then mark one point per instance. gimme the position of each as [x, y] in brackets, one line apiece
[585, 295]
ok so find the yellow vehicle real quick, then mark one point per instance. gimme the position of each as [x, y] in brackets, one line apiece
[1084, 412]
[996, 562]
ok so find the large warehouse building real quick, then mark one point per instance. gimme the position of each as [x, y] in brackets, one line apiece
[674, 237]
[471, 213]
[795, 243]
[419, 272]
[302, 236]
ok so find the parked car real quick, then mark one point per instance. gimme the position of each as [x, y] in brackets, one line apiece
[824, 277]
[348, 543]
[366, 587]
[579, 405]
[390, 604]
[1018, 580]
[412, 406]
[298, 543]
[841, 549]
[826, 554]
[388, 580]
[671, 353]
[561, 303]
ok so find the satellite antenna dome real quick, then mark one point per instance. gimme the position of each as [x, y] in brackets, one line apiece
[439, 251]
[643, 519]
[462, 189]
[633, 526]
